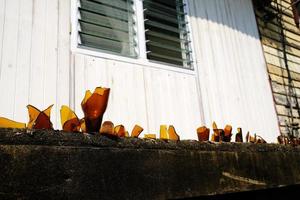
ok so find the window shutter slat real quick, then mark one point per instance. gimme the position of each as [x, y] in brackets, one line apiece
[166, 32]
[107, 25]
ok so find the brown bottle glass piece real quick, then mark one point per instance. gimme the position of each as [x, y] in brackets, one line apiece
[39, 119]
[150, 136]
[239, 135]
[163, 132]
[203, 133]
[69, 120]
[282, 140]
[251, 139]
[216, 133]
[227, 133]
[94, 106]
[7, 123]
[260, 140]
[136, 131]
[120, 131]
[172, 133]
[107, 128]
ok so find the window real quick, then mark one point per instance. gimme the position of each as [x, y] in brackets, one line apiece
[147, 30]
[166, 32]
[108, 25]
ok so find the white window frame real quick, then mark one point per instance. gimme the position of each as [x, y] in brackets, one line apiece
[141, 58]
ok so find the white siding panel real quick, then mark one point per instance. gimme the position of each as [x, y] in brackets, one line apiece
[9, 57]
[232, 70]
[63, 57]
[50, 64]
[79, 85]
[127, 98]
[172, 99]
[2, 20]
[141, 94]
[31, 34]
[37, 68]
[23, 61]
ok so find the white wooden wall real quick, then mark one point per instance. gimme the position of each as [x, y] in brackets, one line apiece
[37, 67]
[232, 70]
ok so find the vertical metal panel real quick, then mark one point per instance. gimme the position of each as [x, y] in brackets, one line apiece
[23, 61]
[141, 94]
[35, 68]
[232, 70]
[8, 58]
[35, 51]
[172, 98]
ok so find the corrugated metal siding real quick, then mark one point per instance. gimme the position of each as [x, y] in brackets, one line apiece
[270, 36]
[141, 94]
[36, 67]
[232, 70]
[34, 56]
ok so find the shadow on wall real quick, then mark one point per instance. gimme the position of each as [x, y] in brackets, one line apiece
[230, 13]
[276, 34]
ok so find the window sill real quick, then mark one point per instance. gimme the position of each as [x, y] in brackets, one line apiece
[132, 60]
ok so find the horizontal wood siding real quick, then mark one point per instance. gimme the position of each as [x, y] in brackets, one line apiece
[270, 33]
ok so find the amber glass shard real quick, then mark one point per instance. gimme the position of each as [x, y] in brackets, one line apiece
[227, 133]
[216, 133]
[126, 134]
[39, 119]
[82, 126]
[33, 113]
[203, 133]
[94, 106]
[107, 128]
[163, 133]
[239, 135]
[136, 131]
[87, 95]
[250, 138]
[172, 133]
[150, 136]
[7, 123]
[282, 140]
[260, 140]
[69, 120]
[228, 130]
[42, 122]
[214, 125]
[120, 131]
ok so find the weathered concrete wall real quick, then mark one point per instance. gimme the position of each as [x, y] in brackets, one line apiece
[55, 165]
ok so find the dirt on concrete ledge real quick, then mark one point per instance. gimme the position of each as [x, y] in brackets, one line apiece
[41, 164]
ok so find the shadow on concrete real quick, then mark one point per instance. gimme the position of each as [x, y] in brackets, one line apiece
[287, 192]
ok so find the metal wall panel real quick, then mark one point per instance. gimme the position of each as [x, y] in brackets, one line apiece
[232, 70]
[37, 67]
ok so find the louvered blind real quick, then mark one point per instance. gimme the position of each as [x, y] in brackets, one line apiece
[166, 31]
[108, 25]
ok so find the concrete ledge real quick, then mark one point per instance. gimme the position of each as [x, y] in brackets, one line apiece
[56, 165]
